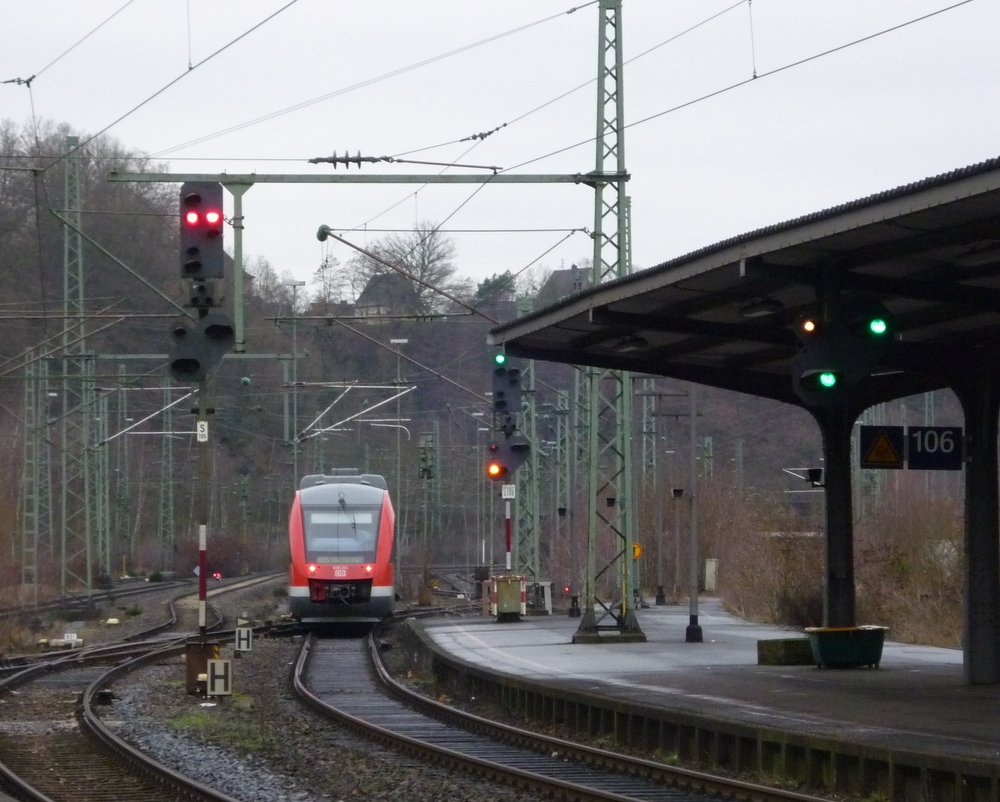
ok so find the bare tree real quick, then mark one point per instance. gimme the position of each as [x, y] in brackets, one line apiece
[424, 255]
[275, 293]
[331, 282]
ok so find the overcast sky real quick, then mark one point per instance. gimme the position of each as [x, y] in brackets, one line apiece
[712, 151]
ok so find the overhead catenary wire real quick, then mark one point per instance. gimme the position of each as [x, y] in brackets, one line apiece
[83, 143]
[647, 51]
[409, 359]
[519, 230]
[704, 97]
[82, 39]
[753, 78]
[477, 139]
[403, 271]
[562, 95]
[368, 81]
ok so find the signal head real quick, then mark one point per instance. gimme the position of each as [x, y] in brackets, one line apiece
[496, 468]
[201, 241]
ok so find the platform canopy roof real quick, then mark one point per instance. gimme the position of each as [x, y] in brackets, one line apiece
[726, 315]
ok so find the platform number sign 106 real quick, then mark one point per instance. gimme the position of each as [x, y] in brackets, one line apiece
[934, 448]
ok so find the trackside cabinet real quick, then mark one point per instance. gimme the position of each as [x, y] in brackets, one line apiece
[509, 596]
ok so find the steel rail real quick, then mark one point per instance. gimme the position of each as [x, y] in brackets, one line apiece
[441, 734]
[660, 773]
[93, 729]
[435, 753]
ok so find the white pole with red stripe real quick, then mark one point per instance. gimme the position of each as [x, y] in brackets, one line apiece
[202, 578]
[507, 529]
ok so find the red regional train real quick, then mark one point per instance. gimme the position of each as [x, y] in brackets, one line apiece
[340, 533]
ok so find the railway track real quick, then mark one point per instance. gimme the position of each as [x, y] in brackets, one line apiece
[49, 754]
[53, 744]
[345, 679]
[124, 591]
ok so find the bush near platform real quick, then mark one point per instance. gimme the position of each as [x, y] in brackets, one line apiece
[908, 549]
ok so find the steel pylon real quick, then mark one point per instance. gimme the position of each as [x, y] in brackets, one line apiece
[75, 520]
[608, 583]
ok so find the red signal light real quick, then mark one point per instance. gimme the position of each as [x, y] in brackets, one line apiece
[202, 255]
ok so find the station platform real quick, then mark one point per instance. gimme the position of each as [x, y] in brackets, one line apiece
[916, 702]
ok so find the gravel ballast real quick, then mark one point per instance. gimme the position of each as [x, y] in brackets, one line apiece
[263, 745]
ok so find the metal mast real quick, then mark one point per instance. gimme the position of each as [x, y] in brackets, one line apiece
[77, 395]
[98, 459]
[167, 528]
[36, 487]
[527, 558]
[607, 601]
[121, 480]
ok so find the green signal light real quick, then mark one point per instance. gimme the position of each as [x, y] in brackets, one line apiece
[500, 358]
[827, 379]
[878, 326]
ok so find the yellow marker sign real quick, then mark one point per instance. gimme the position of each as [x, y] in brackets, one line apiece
[882, 447]
[636, 551]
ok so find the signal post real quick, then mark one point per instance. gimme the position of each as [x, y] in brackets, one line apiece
[506, 455]
[199, 343]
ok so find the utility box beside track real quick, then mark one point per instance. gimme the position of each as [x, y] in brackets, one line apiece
[508, 597]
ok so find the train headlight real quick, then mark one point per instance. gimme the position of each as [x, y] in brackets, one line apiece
[312, 568]
[369, 568]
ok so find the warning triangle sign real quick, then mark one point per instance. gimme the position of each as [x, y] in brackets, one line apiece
[882, 453]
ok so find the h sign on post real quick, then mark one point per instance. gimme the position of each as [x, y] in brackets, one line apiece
[244, 639]
[220, 678]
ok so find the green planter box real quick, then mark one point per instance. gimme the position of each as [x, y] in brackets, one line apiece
[846, 647]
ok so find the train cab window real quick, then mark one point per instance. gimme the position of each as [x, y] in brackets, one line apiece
[339, 536]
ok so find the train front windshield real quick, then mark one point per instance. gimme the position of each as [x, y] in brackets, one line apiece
[335, 535]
